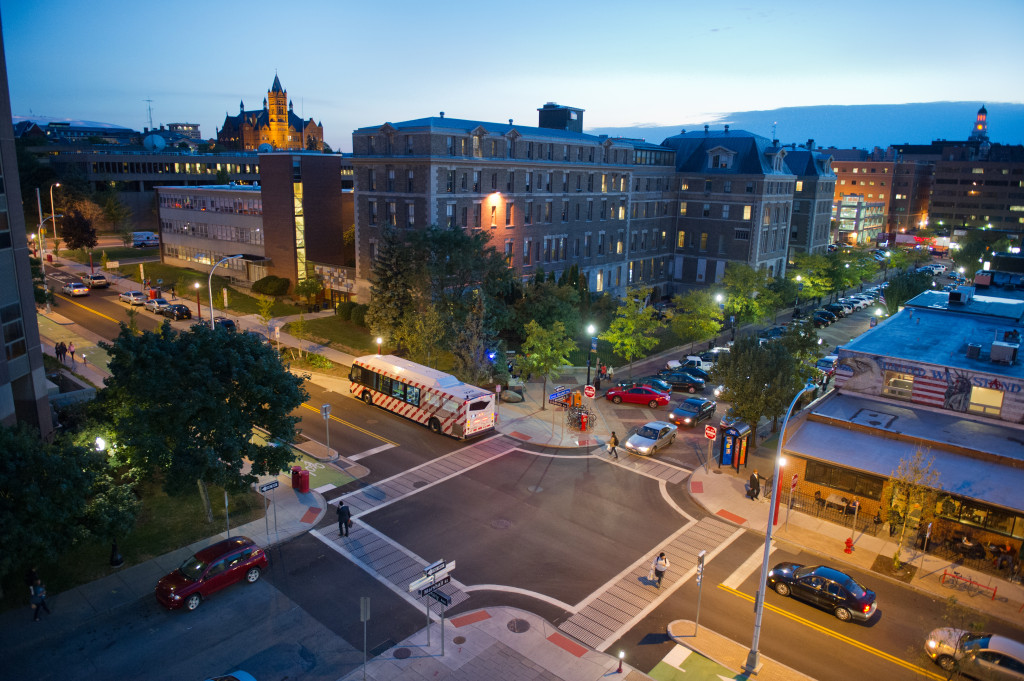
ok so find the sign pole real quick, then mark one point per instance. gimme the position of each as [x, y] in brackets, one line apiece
[428, 622]
[700, 589]
[326, 411]
[266, 516]
[275, 516]
[364, 617]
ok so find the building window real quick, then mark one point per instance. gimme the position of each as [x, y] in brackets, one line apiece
[898, 385]
[464, 214]
[409, 181]
[372, 212]
[565, 211]
[509, 251]
[746, 212]
[843, 479]
[372, 180]
[586, 245]
[527, 251]
[391, 180]
[799, 185]
[450, 181]
[476, 180]
[750, 187]
[449, 211]
[408, 144]
[476, 215]
[725, 211]
[410, 219]
[703, 241]
[510, 181]
[707, 210]
[590, 210]
[494, 216]
[727, 187]
[547, 211]
[494, 181]
[741, 234]
[986, 401]
[528, 214]
[392, 213]
[508, 214]
[682, 207]
[529, 181]
[681, 239]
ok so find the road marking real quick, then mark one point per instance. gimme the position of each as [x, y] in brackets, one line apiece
[100, 314]
[746, 568]
[369, 452]
[839, 637]
[663, 487]
[351, 425]
[522, 592]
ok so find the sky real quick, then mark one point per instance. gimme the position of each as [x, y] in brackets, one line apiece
[349, 65]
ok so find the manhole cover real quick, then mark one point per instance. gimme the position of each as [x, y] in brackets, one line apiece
[419, 483]
[459, 640]
[717, 472]
[501, 523]
[518, 626]
[402, 653]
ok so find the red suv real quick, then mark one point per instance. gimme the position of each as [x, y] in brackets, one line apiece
[209, 571]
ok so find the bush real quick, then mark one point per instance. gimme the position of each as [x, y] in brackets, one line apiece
[345, 309]
[320, 362]
[271, 285]
[358, 316]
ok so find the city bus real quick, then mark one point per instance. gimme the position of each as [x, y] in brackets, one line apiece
[438, 400]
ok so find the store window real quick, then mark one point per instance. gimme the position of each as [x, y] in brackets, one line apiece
[986, 401]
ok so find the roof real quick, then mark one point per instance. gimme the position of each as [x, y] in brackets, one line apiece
[843, 441]
[752, 152]
[442, 123]
[276, 87]
[803, 163]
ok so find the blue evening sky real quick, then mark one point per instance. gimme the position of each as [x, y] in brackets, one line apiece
[349, 64]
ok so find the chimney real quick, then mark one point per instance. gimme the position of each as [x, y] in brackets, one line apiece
[442, 114]
[706, 127]
[810, 145]
[726, 129]
[683, 131]
[510, 121]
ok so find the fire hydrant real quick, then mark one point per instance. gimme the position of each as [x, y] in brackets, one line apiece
[584, 417]
[849, 545]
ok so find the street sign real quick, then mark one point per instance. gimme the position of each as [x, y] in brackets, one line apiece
[593, 345]
[560, 392]
[589, 390]
[710, 432]
[441, 598]
[269, 486]
[277, 333]
[434, 567]
[431, 578]
[435, 586]
[325, 410]
[792, 485]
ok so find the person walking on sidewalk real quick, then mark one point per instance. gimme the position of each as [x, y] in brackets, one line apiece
[37, 597]
[344, 518]
[659, 566]
[755, 486]
[61, 351]
[71, 351]
[613, 442]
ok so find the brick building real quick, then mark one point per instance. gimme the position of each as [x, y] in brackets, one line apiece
[810, 228]
[275, 125]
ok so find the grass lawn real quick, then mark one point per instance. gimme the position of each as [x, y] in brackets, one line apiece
[300, 365]
[238, 302]
[113, 253]
[339, 334]
[164, 524]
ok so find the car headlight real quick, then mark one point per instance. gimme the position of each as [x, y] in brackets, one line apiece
[643, 450]
[687, 419]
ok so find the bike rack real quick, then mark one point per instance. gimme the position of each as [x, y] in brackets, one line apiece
[960, 578]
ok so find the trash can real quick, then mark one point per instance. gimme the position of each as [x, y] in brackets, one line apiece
[296, 473]
[303, 480]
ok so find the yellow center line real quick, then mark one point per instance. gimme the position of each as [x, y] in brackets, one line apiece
[85, 307]
[351, 425]
[839, 637]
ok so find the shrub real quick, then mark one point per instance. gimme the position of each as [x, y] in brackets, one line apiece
[320, 362]
[271, 285]
[358, 316]
[345, 309]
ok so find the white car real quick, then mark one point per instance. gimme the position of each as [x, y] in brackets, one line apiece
[937, 268]
[76, 288]
[982, 656]
[133, 297]
[651, 437]
[155, 305]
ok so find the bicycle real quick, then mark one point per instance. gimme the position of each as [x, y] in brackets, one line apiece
[960, 581]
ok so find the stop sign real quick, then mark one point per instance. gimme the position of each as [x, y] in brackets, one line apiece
[589, 391]
[710, 432]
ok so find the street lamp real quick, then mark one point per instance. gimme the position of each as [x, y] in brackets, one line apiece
[380, 341]
[52, 211]
[752, 657]
[590, 353]
[199, 303]
[799, 286]
[209, 282]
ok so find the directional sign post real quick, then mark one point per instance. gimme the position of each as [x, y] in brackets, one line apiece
[429, 590]
[434, 576]
[264, 488]
[710, 432]
[700, 588]
[325, 411]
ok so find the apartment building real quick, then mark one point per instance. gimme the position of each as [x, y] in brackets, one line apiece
[813, 191]
[980, 188]
[735, 195]
[549, 196]
[859, 220]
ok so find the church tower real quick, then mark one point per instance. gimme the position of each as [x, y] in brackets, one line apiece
[980, 130]
[277, 106]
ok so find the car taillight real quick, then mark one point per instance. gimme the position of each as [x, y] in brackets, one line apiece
[867, 608]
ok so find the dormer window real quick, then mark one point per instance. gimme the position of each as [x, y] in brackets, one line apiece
[720, 158]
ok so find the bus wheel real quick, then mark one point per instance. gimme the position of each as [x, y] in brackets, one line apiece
[435, 425]
[367, 397]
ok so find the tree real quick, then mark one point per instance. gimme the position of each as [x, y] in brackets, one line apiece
[697, 316]
[391, 284]
[297, 328]
[420, 330]
[78, 232]
[632, 331]
[898, 260]
[905, 286]
[910, 491]
[117, 215]
[812, 270]
[309, 287]
[783, 377]
[40, 291]
[54, 495]
[472, 342]
[547, 303]
[264, 307]
[744, 376]
[545, 351]
[748, 295]
[194, 426]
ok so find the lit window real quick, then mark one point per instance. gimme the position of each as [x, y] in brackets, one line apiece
[986, 401]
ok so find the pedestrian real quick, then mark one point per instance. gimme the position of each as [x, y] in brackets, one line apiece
[613, 442]
[37, 597]
[603, 371]
[60, 350]
[659, 566]
[71, 351]
[755, 485]
[344, 518]
[174, 296]
[610, 373]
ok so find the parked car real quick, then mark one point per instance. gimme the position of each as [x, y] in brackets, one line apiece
[75, 289]
[155, 305]
[695, 372]
[262, 338]
[655, 382]
[828, 314]
[714, 354]
[820, 320]
[650, 438]
[824, 587]
[827, 365]
[838, 310]
[95, 281]
[692, 411]
[133, 297]
[177, 311]
[773, 332]
[982, 656]
[730, 419]
[680, 380]
[224, 323]
[209, 571]
[937, 268]
[638, 394]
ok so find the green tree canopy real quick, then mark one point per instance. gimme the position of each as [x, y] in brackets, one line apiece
[545, 351]
[546, 303]
[77, 231]
[905, 286]
[813, 272]
[749, 295]
[632, 331]
[698, 316]
[309, 287]
[183, 405]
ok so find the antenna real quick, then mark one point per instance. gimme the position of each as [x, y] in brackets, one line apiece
[149, 108]
[774, 123]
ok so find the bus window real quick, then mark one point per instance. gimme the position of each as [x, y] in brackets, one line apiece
[398, 390]
[479, 405]
[412, 395]
[385, 385]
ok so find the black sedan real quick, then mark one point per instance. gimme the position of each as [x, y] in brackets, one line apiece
[824, 587]
[830, 316]
[177, 311]
[695, 372]
[820, 321]
[680, 380]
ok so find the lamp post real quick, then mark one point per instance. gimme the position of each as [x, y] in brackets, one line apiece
[209, 282]
[799, 286]
[590, 353]
[199, 302]
[52, 211]
[752, 657]
[380, 341]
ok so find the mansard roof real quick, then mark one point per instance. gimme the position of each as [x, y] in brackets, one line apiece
[753, 152]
